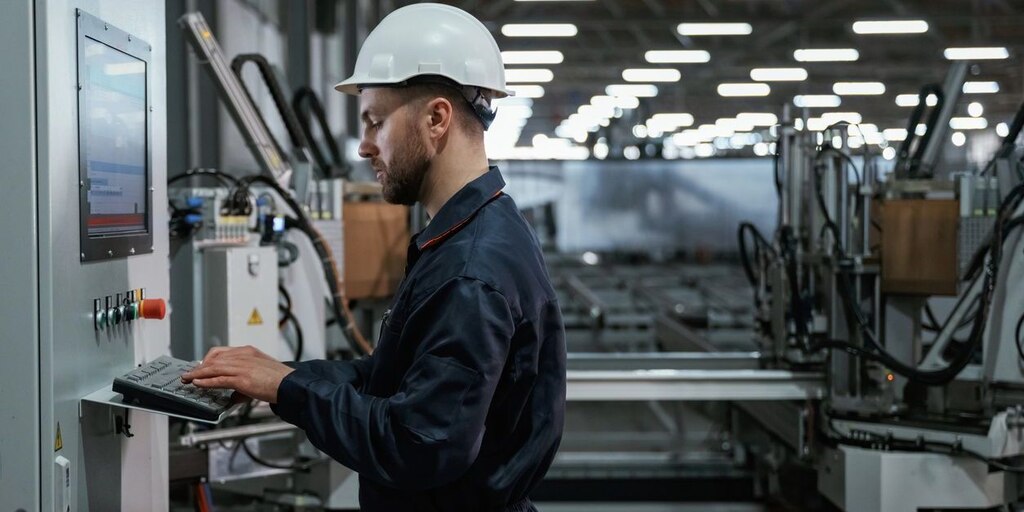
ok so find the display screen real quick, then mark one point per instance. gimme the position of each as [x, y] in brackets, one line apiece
[114, 139]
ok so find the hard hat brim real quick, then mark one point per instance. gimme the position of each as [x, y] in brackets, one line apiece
[353, 84]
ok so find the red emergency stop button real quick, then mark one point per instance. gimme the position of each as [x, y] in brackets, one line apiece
[154, 309]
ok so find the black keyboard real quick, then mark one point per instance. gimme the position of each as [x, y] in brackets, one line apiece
[158, 385]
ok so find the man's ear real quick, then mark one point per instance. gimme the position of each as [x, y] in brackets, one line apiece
[440, 112]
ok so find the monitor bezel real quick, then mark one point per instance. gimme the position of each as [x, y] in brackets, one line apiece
[113, 246]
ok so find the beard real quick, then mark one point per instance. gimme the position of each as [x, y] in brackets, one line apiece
[404, 174]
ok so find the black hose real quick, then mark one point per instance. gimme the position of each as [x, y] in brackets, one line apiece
[331, 276]
[290, 317]
[760, 243]
[335, 161]
[947, 374]
[223, 177]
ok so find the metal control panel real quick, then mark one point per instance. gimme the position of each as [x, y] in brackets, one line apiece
[74, 323]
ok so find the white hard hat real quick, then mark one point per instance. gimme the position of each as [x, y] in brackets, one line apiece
[429, 39]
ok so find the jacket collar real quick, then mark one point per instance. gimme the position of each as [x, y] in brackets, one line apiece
[461, 208]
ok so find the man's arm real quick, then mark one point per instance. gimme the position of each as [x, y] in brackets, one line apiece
[429, 432]
[354, 372]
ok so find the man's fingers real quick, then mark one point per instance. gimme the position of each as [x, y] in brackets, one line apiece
[230, 382]
[214, 353]
[220, 368]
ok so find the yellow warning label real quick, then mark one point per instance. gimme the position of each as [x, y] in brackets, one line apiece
[58, 443]
[255, 318]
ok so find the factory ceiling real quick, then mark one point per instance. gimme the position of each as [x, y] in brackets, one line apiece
[612, 36]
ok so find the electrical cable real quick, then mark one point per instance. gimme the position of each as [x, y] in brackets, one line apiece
[1018, 337]
[928, 377]
[221, 176]
[287, 296]
[937, 377]
[934, 323]
[209, 496]
[979, 255]
[202, 503]
[339, 305]
[294, 466]
[760, 243]
[290, 317]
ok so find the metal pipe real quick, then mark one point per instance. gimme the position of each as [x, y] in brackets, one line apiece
[596, 308]
[784, 165]
[663, 360]
[865, 205]
[952, 89]
[842, 215]
[227, 434]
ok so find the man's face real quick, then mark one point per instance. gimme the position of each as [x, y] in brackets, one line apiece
[393, 141]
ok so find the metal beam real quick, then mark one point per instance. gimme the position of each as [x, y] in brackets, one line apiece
[664, 361]
[693, 385]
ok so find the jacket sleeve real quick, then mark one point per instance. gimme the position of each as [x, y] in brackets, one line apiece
[355, 372]
[429, 432]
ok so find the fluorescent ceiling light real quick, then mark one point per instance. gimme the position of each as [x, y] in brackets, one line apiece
[858, 88]
[865, 128]
[817, 124]
[527, 91]
[623, 102]
[891, 27]
[895, 134]
[528, 75]
[677, 56]
[758, 119]
[836, 117]
[981, 87]
[732, 124]
[516, 111]
[635, 90]
[975, 109]
[977, 53]
[686, 138]
[651, 75]
[1002, 130]
[532, 57]
[714, 29]
[539, 30]
[968, 123]
[826, 55]
[674, 120]
[752, 89]
[595, 112]
[911, 100]
[817, 101]
[778, 74]
[513, 100]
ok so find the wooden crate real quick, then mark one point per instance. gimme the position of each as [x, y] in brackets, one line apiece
[919, 246]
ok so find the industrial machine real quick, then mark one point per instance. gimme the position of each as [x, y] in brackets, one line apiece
[906, 292]
[84, 157]
[881, 355]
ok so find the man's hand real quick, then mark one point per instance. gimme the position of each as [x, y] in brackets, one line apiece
[244, 369]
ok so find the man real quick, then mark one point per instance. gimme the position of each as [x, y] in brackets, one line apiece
[460, 406]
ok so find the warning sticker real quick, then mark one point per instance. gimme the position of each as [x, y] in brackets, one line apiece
[58, 442]
[255, 318]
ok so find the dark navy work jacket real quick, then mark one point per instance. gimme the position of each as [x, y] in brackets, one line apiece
[461, 405]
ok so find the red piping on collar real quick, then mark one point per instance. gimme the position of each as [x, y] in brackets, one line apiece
[440, 238]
